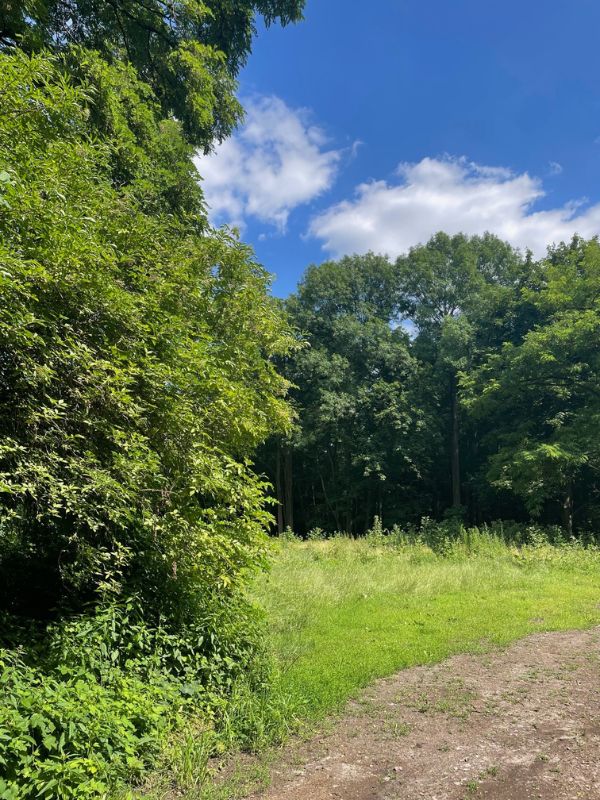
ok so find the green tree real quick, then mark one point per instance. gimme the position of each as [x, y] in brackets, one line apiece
[450, 290]
[352, 454]
[541, 394]
[137, 378]
[187, 51]
[136, 372]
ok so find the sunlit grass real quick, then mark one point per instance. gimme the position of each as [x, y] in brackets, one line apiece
[344, 612]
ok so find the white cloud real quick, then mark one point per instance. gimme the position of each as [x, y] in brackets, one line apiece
[453, 195]
[555, 168]
[275, 162]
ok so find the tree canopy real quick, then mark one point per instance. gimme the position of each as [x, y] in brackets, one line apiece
[461, 378]
[351, 393]
[188, 52]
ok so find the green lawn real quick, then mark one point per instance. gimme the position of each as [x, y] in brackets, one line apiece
[345, 612]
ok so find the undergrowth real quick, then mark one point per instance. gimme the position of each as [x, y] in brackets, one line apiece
[90, 703]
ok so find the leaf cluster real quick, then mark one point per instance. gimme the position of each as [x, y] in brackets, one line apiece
[187, 52]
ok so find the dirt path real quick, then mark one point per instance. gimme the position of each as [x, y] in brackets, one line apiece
[512, 725]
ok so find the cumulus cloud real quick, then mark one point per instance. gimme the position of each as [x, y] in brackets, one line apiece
[276, 161]
[453, 195]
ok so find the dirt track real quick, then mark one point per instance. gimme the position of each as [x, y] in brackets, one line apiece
[511, 725]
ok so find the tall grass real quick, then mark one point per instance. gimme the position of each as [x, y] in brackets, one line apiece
[343, 612]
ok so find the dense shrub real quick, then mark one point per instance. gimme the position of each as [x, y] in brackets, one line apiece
[87, 703]
[136, 379]
[444, 536]
[72, 736]
[135, 350]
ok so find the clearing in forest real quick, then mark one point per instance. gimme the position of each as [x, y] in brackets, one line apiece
[344, 613]
[492, 693]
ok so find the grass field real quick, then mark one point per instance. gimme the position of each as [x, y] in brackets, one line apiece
[343, 612]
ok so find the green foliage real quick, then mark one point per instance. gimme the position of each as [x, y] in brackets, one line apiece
[451, 275]
[375, 534]
[71, 737]
[461, 381]
[136, 375]
[91, 702]
[357, 419]
[540, 394]
[187, 52]
[288, 535]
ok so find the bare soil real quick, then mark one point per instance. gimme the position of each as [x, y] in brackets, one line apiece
[509, 725]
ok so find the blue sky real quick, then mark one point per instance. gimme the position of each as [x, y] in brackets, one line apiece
[370, 126]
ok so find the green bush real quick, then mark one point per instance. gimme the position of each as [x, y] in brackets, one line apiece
[137, 352]
[450, 534]
[87, 703]
[137, 378]
[71, 736]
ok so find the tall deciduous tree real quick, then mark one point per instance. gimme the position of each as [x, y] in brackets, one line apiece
[542, 394]
[444, 286]
[353, 454]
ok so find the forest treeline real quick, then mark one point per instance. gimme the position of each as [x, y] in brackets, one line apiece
[460, 380]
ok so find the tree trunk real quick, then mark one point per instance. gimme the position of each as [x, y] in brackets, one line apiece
[332, 509]
[455, 446]
[368, 520]
[289, 492]
[279, 491]
[567, 509]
